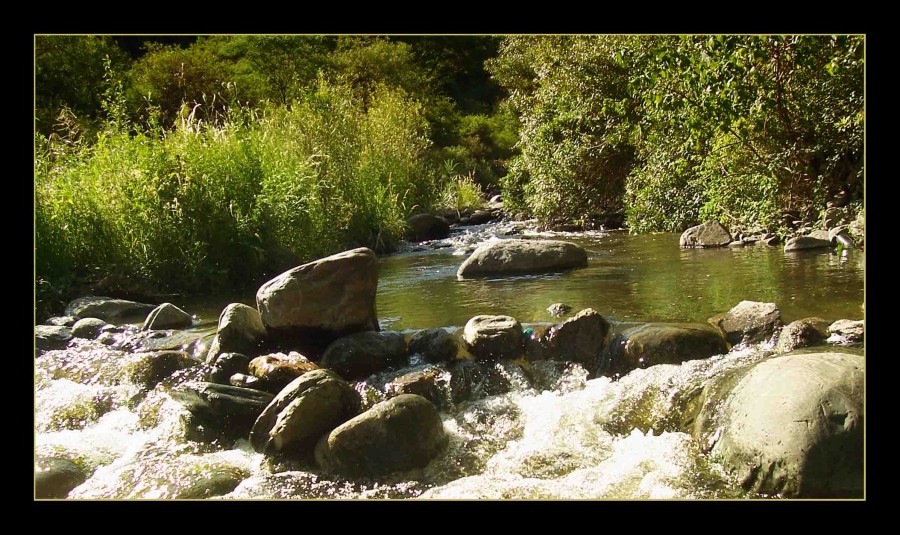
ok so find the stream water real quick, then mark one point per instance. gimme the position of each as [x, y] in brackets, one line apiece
[582, 439]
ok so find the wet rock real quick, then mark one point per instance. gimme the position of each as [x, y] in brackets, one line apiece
[557, 376]
[106, 308]
[88, 328]
[423, 227]
[834, 217]
[749, 322]
[806, 242]
[47, 337]
[771, 240]
[471, 380]
[148, 370]
[660, 343]
[430, 383]
[737, 243]
[793, 426]
[399, 434]
[559, 309]
[227, 365]
[277, 370]
[840, 236]
[334, 294]
[434, 345]
[308, 408]
[240, 331]
[709, 234]
[55, 477]
[244, 381]
[522, 256]
[493, 337]
[580, 339]
[480, 217]
[219, 409]
[190, 342]
[359, 355]
[802, 333]
[167, 316]
[848, 331]
[64, 321]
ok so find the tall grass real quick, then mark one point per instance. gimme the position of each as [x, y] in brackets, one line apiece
[204, 208]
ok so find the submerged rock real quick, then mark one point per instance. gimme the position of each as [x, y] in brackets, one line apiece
[167, 316]
[434, 345]
[802, 333]
[219, 409]
[335, 294]
[106, 308]
[580, 339]
[240, 331]
[399, 434]
[471, 380]
[749, 322]
[305, 410]
[88, 328]
[152, 368]
[660, 343]
[55, 477]
[518, 256]
[359, 355]
[493, 337]
[793, 426]
[559, 309]
[48, 337]
[423, 227]
[709, 234]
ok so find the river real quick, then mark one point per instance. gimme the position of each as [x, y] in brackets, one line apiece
[583, 439]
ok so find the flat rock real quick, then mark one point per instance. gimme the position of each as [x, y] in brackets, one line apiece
[489, 337]
[106, 308]
[518, 256]
[806, 242]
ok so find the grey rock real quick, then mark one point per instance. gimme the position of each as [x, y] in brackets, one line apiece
[167, 316]
[793, 426]
[650, 344]
[149, 369]
[431, 383]
[106, 308]
[54, 477]
[64, 321]
[434, 345]
[749, 322]
[771, 241]
[493, 337]
[227, 365]
[240, 331]
[522, 256]
[737, 243]
[802, 333]
[559, 309]
[849, 331]
[800, 243]
[359, 355]
[709, 234]
[306, 409]
[88, 328]
[334, 294]
[221, 410]
[423, 227]
[399, 434]
[243, 380]
[47, 337]
[580, 339]
[480, 217]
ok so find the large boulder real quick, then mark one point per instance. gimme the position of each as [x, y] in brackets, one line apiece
[54, 477]
[399, 434]
[709, 234]
[660, 343]
[434, 345]
[220, 410]
[522, 256]
[335, 294]
[802, 333]
[359, 355]
[799, 243]
[423, 227]
[106, 308]
[167, 316]
[305, 410]
[580, 339]
[276, 370]
[240, 331]
[47, 337]
[489, 337]
[793, 425]
[88, 328]
[749, 322]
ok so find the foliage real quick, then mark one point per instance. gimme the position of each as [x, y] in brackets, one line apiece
[460, 191]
